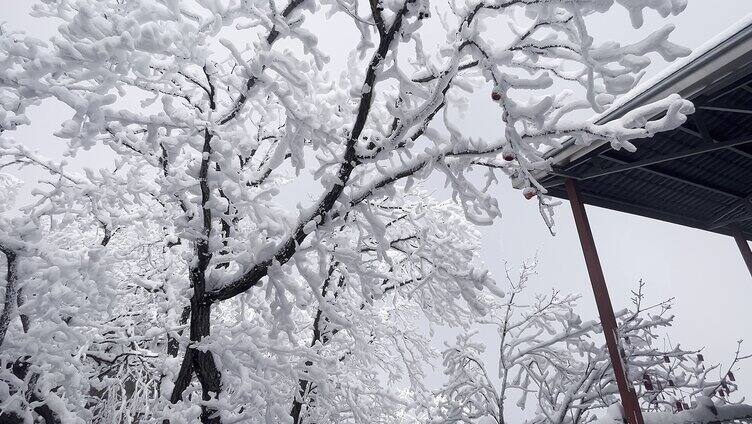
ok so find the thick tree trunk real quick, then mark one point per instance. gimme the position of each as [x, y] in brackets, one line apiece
[203, 362]
[195, 360]
[14, 294]
[11, 293]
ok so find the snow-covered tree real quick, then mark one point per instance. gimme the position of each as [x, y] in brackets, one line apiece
[352, 330]
[185, 261]
[550, 358]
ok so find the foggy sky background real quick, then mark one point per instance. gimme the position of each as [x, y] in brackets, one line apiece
[704, 271]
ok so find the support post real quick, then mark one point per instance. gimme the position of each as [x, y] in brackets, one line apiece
[744, 249]
[627, 393]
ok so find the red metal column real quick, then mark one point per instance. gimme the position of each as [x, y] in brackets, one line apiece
[744, 249]
[606, 311]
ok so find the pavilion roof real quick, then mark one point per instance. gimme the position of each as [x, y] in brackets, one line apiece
[699, 175]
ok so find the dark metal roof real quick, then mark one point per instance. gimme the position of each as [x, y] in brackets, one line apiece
[699, 175]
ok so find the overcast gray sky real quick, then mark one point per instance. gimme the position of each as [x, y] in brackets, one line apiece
[704, 271]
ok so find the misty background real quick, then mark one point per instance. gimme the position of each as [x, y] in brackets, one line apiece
[702, 270]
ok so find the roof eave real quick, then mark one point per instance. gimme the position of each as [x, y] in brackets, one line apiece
[687, 80]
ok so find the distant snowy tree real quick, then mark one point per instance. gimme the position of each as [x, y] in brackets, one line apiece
[176, 283]
[550, 358]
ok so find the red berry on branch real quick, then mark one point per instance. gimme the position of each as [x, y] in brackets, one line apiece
[529, 193]
[508, 155]
[496, 96]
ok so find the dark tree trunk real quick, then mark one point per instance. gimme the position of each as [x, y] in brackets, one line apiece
[202, 363]
[11, 292]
